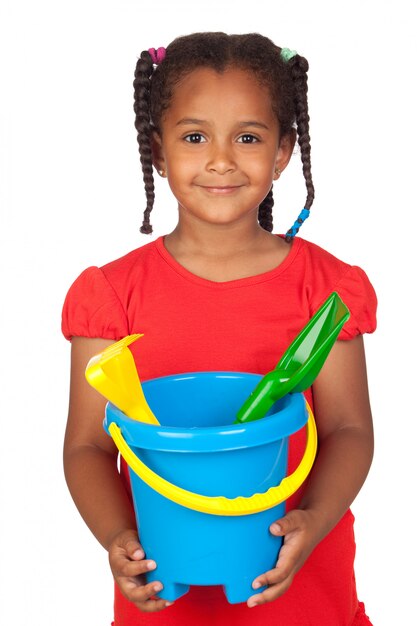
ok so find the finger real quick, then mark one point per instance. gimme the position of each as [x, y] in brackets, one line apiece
[138, 590]
[143, 596]
[272, 593]
[134, 550]
[286, 524]
[154, 605]
[126, 557]
[129, 543]
[274, 576]
[123, 567]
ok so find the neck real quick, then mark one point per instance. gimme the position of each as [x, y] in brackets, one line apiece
[224, 252]
[216, 240]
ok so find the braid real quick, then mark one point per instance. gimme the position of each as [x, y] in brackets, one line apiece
[141, 84]
[299, 67]
[265, 212]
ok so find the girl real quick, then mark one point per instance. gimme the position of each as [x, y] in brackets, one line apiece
[218, 116]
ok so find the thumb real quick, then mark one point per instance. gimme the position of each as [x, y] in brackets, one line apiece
[130, 542]
[285, 524]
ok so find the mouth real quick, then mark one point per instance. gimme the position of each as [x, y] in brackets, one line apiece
[220, 190]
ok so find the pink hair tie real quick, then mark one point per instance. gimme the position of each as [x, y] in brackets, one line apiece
[157, 56]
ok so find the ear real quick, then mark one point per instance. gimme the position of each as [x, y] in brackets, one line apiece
[285, 150]
[157, 153]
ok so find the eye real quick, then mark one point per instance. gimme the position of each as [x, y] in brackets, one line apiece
[195, 138]
[248, 138]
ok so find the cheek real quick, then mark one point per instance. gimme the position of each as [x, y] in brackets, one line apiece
[183, 170]
[260, 163]
[262, 172]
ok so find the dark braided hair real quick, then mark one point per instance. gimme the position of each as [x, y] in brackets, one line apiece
[265, 212]
[142, 85]
[299, 67]
[285, 80]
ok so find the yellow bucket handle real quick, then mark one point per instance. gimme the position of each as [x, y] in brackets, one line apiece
[220, 505]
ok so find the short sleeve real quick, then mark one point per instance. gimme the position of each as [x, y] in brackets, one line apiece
[358, 294]
[93, 309]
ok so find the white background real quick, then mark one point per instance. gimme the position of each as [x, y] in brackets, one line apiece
[71, 196]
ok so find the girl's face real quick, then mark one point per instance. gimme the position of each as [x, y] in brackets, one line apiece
[220, 145]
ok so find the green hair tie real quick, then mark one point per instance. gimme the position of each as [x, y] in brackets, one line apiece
[287, 54]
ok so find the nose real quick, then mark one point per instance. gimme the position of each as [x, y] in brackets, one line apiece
[221, 158]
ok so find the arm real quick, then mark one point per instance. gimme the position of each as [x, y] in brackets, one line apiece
[90, 465]
[345, 433]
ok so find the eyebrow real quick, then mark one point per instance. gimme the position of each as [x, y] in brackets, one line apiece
[190, 120]
[253, 123]
[197, 122]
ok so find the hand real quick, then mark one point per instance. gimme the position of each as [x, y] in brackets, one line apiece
[300, 539]
[128, 564]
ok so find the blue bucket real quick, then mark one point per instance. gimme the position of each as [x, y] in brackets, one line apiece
[199, 449]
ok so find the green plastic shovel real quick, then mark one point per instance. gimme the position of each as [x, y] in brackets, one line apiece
[300, 363]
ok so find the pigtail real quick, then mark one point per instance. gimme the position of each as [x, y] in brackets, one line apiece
[298, 66]
[142, 87]
[265, 212]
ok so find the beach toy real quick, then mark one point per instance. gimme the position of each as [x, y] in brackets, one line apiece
[201, 515]
[301, 362]
[113, 374]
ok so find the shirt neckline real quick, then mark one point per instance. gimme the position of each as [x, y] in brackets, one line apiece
[230, 284]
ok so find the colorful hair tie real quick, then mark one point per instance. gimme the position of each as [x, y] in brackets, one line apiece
[157, 56]
[287, 54]
[291, 233]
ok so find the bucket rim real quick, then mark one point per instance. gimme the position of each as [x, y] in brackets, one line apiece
[291, 415]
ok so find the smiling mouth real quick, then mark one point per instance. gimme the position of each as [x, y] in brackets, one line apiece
[224, 190]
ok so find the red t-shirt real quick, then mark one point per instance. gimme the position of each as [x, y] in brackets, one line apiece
[193, 324]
